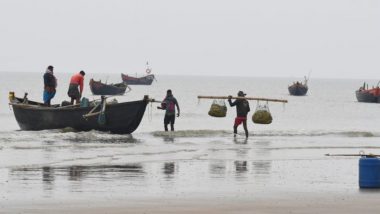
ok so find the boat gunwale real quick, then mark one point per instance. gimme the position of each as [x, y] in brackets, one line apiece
[68, 108]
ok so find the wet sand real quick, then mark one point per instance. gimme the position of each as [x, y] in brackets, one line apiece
[293, 203]
[184, 175]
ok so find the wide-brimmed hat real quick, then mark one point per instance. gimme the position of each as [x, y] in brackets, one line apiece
[241, 94]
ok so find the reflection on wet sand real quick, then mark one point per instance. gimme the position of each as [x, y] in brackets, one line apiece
[169, 139]
[241, 170]
[169, 168]
[48, 174]
[105, 172]
[100, 138]
[79, 173]
[262, 167]
[217, 169]
[240, 167]
[240, 141]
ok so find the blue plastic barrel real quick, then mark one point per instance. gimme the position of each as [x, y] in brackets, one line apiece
[369, 172]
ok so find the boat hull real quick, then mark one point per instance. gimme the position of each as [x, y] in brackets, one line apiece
[122, 118]
[146, 80]
[98, 88]
[366, 97]
[298, 90]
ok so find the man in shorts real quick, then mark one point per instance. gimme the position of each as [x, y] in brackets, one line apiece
[76, 87]
[242, 109]
[169, 104]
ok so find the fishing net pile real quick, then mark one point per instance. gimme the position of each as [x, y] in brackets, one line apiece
[218, 109]
[262, 115]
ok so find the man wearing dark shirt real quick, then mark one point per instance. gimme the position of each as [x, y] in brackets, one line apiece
[169, 104]
[50, 83]
[242, 109]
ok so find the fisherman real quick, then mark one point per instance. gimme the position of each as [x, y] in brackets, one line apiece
[50, 85]
[242, 109]
[169, 104]
[75, 82]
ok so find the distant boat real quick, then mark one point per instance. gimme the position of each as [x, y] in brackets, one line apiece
[121, 118]
[298, 88]
[99, 88]
[368, 95]
[145, 80]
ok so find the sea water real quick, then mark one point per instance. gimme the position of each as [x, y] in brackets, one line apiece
[201, 158]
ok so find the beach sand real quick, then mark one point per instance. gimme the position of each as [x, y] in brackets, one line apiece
[366, 202]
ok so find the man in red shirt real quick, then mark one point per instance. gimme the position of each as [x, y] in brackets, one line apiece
[75, 82]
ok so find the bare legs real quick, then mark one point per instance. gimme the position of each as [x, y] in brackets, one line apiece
[77, 100]
[245, 129]
[171, 127]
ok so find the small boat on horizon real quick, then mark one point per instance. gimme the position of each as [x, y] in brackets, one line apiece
[119, 118]
[299, 88]
[363, 94]
[99, 88]
[144, 80]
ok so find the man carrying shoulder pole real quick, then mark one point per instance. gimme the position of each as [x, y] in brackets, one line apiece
[242, 109]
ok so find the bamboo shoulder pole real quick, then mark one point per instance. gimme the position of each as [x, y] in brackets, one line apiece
[247, 98]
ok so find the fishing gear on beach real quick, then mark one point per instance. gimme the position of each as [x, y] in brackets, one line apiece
[262, 114]
[218, 108]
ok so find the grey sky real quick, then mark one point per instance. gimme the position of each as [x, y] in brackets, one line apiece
[286, 38]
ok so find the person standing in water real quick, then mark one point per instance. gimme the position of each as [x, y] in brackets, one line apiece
[242, 109]
[50, 85]
[169, 104]
[76, 87]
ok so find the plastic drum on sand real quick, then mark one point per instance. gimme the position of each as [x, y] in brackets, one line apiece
[369, 172]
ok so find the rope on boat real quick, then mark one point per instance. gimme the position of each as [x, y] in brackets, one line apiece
[102, 115]
[129, 89]
[150, 112]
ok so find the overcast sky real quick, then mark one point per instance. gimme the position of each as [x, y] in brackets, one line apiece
[275, 38]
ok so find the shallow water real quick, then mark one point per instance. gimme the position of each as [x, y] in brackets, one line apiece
[200, 159]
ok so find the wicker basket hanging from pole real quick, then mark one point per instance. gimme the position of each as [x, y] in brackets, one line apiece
[218, 109]
[262, 114]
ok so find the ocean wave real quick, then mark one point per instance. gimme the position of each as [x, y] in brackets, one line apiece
[65, 135]
[191, 133]
[350, 134]
[71, 136]
[283, 133]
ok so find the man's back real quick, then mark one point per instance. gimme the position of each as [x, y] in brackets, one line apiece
[242, 107]
[170, 103]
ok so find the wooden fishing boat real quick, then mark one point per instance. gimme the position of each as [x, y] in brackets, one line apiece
[298, 89]
[368, 95]
[130, 80]
[99, 88]
[122, 118]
